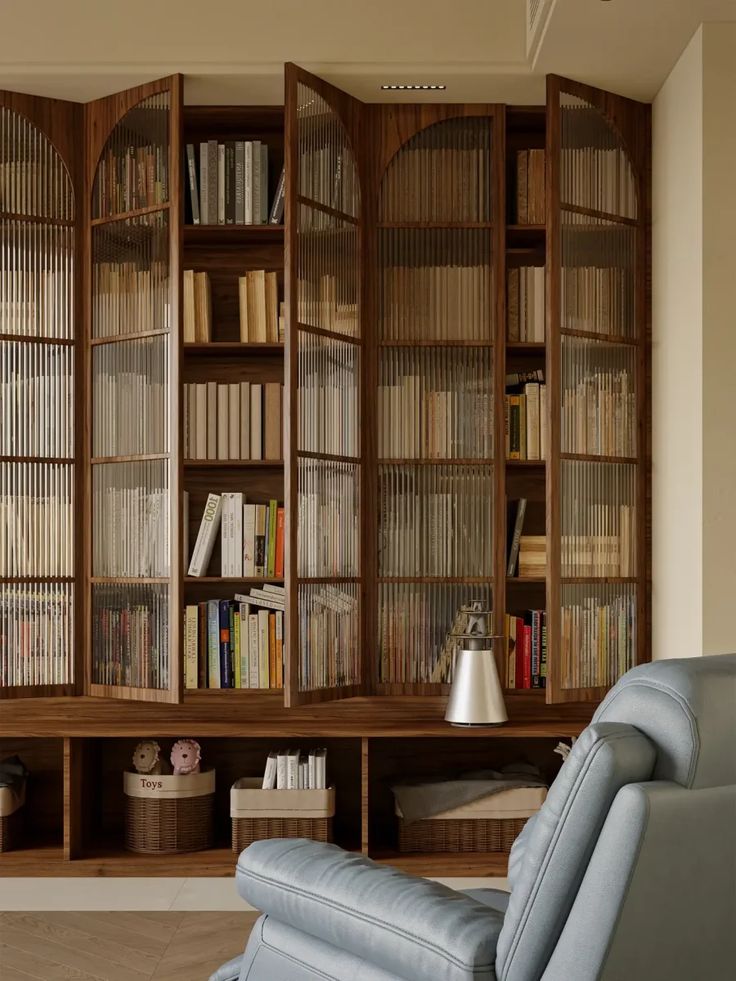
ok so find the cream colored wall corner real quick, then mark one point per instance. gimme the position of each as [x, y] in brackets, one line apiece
[694, 350]
[677, 359]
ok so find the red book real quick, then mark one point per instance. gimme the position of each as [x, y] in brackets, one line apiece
[527, 656]
[519, 652]
[279, 568]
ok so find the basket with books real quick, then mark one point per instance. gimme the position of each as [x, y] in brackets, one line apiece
[168, 812]
[489, 824]
[13, 778]
[291, 800]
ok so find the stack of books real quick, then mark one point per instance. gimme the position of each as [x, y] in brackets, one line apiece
[530, 187]
[598, 637]
[599, 415]
[228, 184]
[526, 416]
[233, 421]
[290, 769]
[133, 179]
[197, 307]
[125, 299]
[532, 556]
[236, 643]
[258, 293]
[598, 178]
[252, 537]
[526, 650]
[526, 307]
[598, 300]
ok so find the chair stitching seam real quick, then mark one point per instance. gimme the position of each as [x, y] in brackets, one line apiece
[553, 844]
[343, 908]
[684, 707]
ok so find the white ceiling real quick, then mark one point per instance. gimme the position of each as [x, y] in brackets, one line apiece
[233, 50]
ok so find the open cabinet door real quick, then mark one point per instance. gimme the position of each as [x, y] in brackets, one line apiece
[324, 391]
[132, 249]
[598, 227]
[40, 200]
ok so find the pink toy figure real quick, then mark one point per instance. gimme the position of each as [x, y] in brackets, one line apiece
[185, 756]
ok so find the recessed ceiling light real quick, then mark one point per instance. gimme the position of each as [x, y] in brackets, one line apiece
[412, 88]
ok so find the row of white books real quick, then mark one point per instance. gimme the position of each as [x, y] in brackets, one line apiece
[329, 635]
[36, 400]
[36, 520]
[132, 401]
[321, 304]
[127, 299]
[252, 537]
[598, 300]
[435, 521]
[131, 520]
[600, 178]
[328, 395]
[291, 769]
[233, 421]
[38, 302]
[328, 511]
[437, 302]
[526, 304]
[606, 544]
[599, 415]
[434, 424]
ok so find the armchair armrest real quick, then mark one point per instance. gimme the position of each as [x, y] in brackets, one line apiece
[403, 924]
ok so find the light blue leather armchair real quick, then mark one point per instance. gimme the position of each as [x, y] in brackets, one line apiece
[628, 872]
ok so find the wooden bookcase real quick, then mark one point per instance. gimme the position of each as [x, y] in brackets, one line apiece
[408, 188]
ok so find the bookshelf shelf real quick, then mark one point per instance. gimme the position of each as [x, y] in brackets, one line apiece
[598, 458]
[213, 235]
[483, 461]
[525, 580]
[243, 580]
[422, 342]
[594, 335]
[128, 215]
[117, 338]
[30, 339]
[241, 348]
[440, 225]
[129, 580]
[526, 347]
[526, 464]
[233, 464]
[130, 458]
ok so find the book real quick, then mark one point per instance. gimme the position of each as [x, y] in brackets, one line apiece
[193, 188]
[212, 179]
[516, 536]
[256, 421]
[269, 774]
[232, 534]
[213, 644]
[277, 208]
[191, 640]
[206, 536]
[234, 421]
[273, 398]
[225, 646]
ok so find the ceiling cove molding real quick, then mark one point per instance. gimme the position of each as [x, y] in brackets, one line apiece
[538, 16]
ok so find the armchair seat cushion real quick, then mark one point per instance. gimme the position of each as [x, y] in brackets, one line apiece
[404, 925]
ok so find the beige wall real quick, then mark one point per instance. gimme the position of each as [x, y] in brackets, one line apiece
[694, 350]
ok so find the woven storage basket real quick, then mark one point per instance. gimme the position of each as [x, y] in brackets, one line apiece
[167, 814]
[257, 813]
[489, 825]
[11, 817]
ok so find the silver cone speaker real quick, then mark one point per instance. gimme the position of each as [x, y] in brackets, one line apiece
[476, 697]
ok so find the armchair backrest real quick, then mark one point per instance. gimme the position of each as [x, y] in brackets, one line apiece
[666, 721]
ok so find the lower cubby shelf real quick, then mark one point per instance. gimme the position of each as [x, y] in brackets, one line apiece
[75, 821]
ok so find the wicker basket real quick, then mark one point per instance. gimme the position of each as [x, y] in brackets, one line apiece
[257, 813]
[11, 817]
[167, 814]
[489, 825]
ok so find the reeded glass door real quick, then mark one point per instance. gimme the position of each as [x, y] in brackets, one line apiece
[597, 227]
[133, 545]
[324, 365]
[39, 449]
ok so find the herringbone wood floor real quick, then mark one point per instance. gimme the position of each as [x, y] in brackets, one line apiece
[119, 946]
